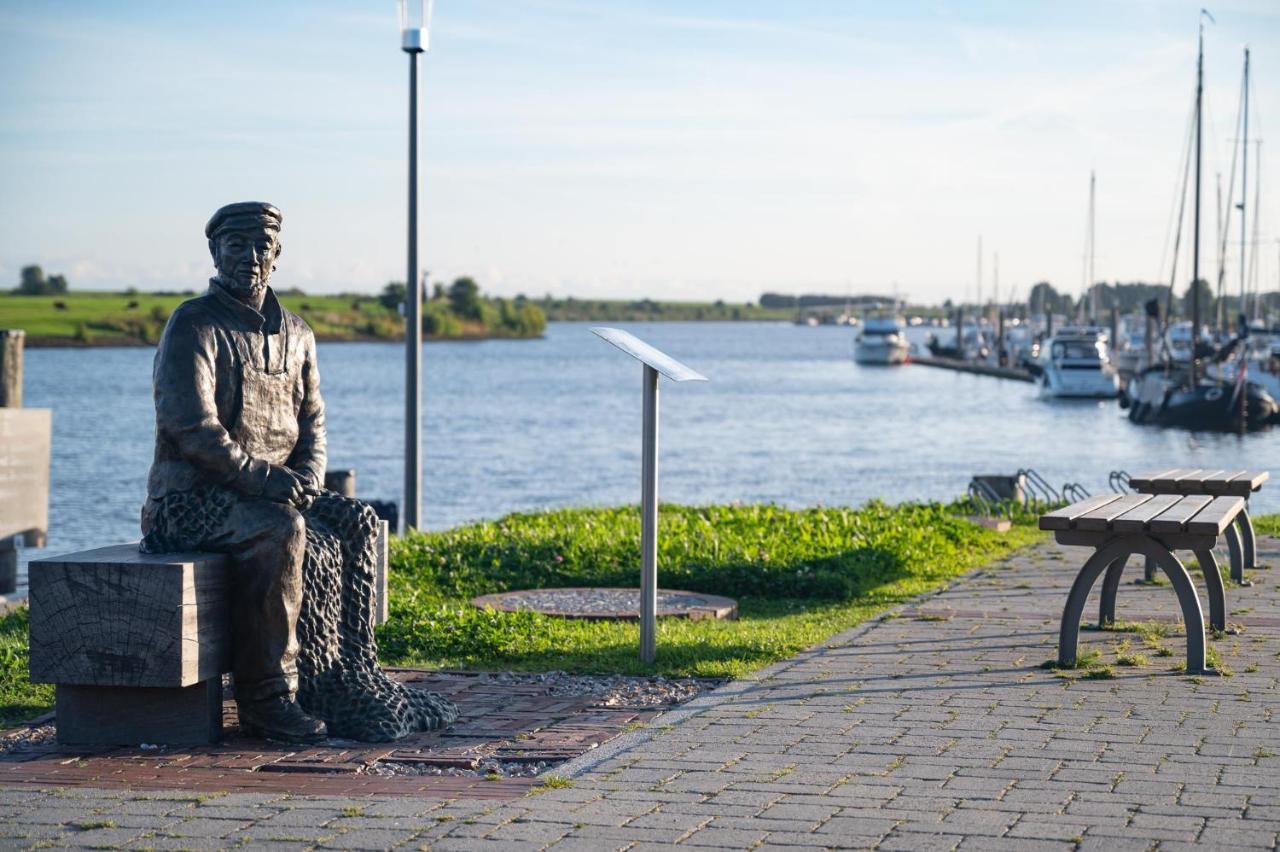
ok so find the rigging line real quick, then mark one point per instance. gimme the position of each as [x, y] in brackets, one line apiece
[1182, 208]
[1225, 224]
[1257, 216]
[1179, 192]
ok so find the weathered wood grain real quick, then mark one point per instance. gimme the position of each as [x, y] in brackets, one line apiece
[1216, 517]
[1136, 519]
[116, 617]
[1102, 517]
[1061, 519]
[1174, 519]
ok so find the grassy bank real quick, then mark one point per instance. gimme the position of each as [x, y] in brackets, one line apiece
[131, 319]
[800, 576]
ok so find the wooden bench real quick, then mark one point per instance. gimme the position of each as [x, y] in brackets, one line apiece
[1241, 545]
[137, 643]
[1154, 526]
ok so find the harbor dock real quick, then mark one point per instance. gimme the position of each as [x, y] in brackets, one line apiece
[973, 367]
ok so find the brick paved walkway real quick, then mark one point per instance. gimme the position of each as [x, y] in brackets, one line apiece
[936, 729]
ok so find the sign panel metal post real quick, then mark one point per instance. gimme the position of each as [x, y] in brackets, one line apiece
[656, 364]
[649, 519]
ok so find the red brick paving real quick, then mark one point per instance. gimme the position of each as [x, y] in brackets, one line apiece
[507, 722]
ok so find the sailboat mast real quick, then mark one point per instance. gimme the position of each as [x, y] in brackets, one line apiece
[1093, 282]
[1195, 246]
[1244, 182]
[979, 314]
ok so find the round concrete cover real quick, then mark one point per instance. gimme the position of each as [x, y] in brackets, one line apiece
[609, 603]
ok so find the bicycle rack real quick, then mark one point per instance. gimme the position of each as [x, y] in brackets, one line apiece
[1037, 489]
[1074, 491]
[985, 500]
[1119, 481]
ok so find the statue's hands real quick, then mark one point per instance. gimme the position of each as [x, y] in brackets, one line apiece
[285, 486]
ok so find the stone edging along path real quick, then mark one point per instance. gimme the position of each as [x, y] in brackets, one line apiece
[935, 729]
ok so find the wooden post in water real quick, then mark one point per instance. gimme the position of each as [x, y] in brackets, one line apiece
[11, 342]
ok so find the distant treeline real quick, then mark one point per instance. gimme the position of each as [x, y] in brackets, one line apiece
[1133, 297]
[647, 310]
[784, 301]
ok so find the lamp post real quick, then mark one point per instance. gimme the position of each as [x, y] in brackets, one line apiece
[415, 23]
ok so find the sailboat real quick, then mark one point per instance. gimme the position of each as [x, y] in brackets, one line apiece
[1166, 394]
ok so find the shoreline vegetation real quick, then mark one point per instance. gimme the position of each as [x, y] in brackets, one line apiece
[800, 576]
[132, 318]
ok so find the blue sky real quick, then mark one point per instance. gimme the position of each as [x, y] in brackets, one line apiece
[671, 149]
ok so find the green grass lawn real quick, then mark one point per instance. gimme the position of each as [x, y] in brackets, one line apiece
[87, 317]
[800, 576]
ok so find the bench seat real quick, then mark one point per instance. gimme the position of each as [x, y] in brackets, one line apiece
[1154, 526]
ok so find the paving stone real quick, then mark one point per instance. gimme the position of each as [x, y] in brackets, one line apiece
[370, 838]
[917, 735]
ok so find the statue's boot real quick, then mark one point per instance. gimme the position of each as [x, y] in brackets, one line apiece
[279, 720]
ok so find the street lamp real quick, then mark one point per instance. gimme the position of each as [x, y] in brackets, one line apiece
[415, 24]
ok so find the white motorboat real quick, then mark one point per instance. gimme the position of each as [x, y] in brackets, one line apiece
[880, 340]
[1075, 363]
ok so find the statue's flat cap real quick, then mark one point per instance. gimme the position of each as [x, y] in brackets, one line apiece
[244, 214]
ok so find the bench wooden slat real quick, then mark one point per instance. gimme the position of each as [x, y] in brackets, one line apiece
[1235, 483]
[1254, 478]
[1219, 484]
[1136, 519]
[1170, 482]
[1101, 518]
[1060, 519]
[1216, 517]
[1144, 480]
[1197, 484]
[1174, 519]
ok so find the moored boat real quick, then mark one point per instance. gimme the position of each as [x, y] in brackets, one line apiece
[881, 340]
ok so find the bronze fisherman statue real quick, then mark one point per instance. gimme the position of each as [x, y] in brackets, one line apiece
[239, 468]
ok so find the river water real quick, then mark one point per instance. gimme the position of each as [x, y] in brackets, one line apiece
[522, 425]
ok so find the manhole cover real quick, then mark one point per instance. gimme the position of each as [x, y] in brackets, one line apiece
[609, 603]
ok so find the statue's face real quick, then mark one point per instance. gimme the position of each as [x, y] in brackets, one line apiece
[246, 258]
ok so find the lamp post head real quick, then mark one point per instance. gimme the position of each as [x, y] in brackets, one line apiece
[415, 25]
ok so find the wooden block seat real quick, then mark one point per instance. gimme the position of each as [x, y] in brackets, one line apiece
[1153, 526]
[1241, 543]
[137, 643]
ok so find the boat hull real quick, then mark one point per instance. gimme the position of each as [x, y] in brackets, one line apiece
[883, 356]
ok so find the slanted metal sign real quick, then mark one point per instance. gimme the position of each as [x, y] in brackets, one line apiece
[24, 474]
[655, 363]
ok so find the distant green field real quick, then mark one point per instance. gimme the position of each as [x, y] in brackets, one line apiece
[138, 318]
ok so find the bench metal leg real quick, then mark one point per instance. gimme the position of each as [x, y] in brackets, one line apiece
[1247, 540]
[1110, 586]
[1148, 571]
[1103, 557]
[1217, 593]
[1235, 556]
